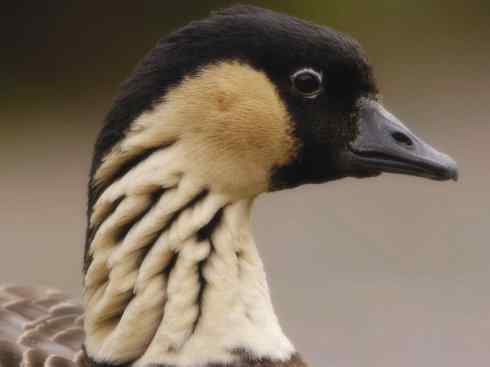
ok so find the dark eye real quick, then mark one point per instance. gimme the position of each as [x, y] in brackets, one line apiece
[307, 82]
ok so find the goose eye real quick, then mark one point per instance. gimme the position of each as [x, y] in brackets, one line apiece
[307, 82]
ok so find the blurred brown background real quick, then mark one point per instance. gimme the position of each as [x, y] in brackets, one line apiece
[391, 271]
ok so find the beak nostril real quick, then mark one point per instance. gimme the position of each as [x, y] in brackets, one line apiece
[402, 138]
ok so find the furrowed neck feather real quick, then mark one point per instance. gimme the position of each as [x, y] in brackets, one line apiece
[173, 275]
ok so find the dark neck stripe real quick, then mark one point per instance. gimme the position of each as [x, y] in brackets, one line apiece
[194, 201]
[155, 198]
[126, 228]
[92, 230]
[205, 233]
[169, 268]
[97, 189]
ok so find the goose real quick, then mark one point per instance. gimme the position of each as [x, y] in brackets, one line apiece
[244, 102]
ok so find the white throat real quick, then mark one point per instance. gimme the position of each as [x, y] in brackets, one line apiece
[175, 277]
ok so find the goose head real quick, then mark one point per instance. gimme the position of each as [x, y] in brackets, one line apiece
[262, 101]
[243, 102]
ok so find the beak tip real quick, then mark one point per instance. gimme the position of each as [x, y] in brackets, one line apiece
[452, 170]
[454, 173]
[455, 176]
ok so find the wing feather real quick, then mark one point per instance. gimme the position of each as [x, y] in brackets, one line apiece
[40, 327]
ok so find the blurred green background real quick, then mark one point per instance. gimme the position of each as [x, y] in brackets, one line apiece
[391, 271]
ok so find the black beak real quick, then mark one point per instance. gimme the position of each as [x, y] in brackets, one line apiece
[384, 144]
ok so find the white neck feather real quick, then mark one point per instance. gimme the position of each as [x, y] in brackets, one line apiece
[174, 275]
[159, 291]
